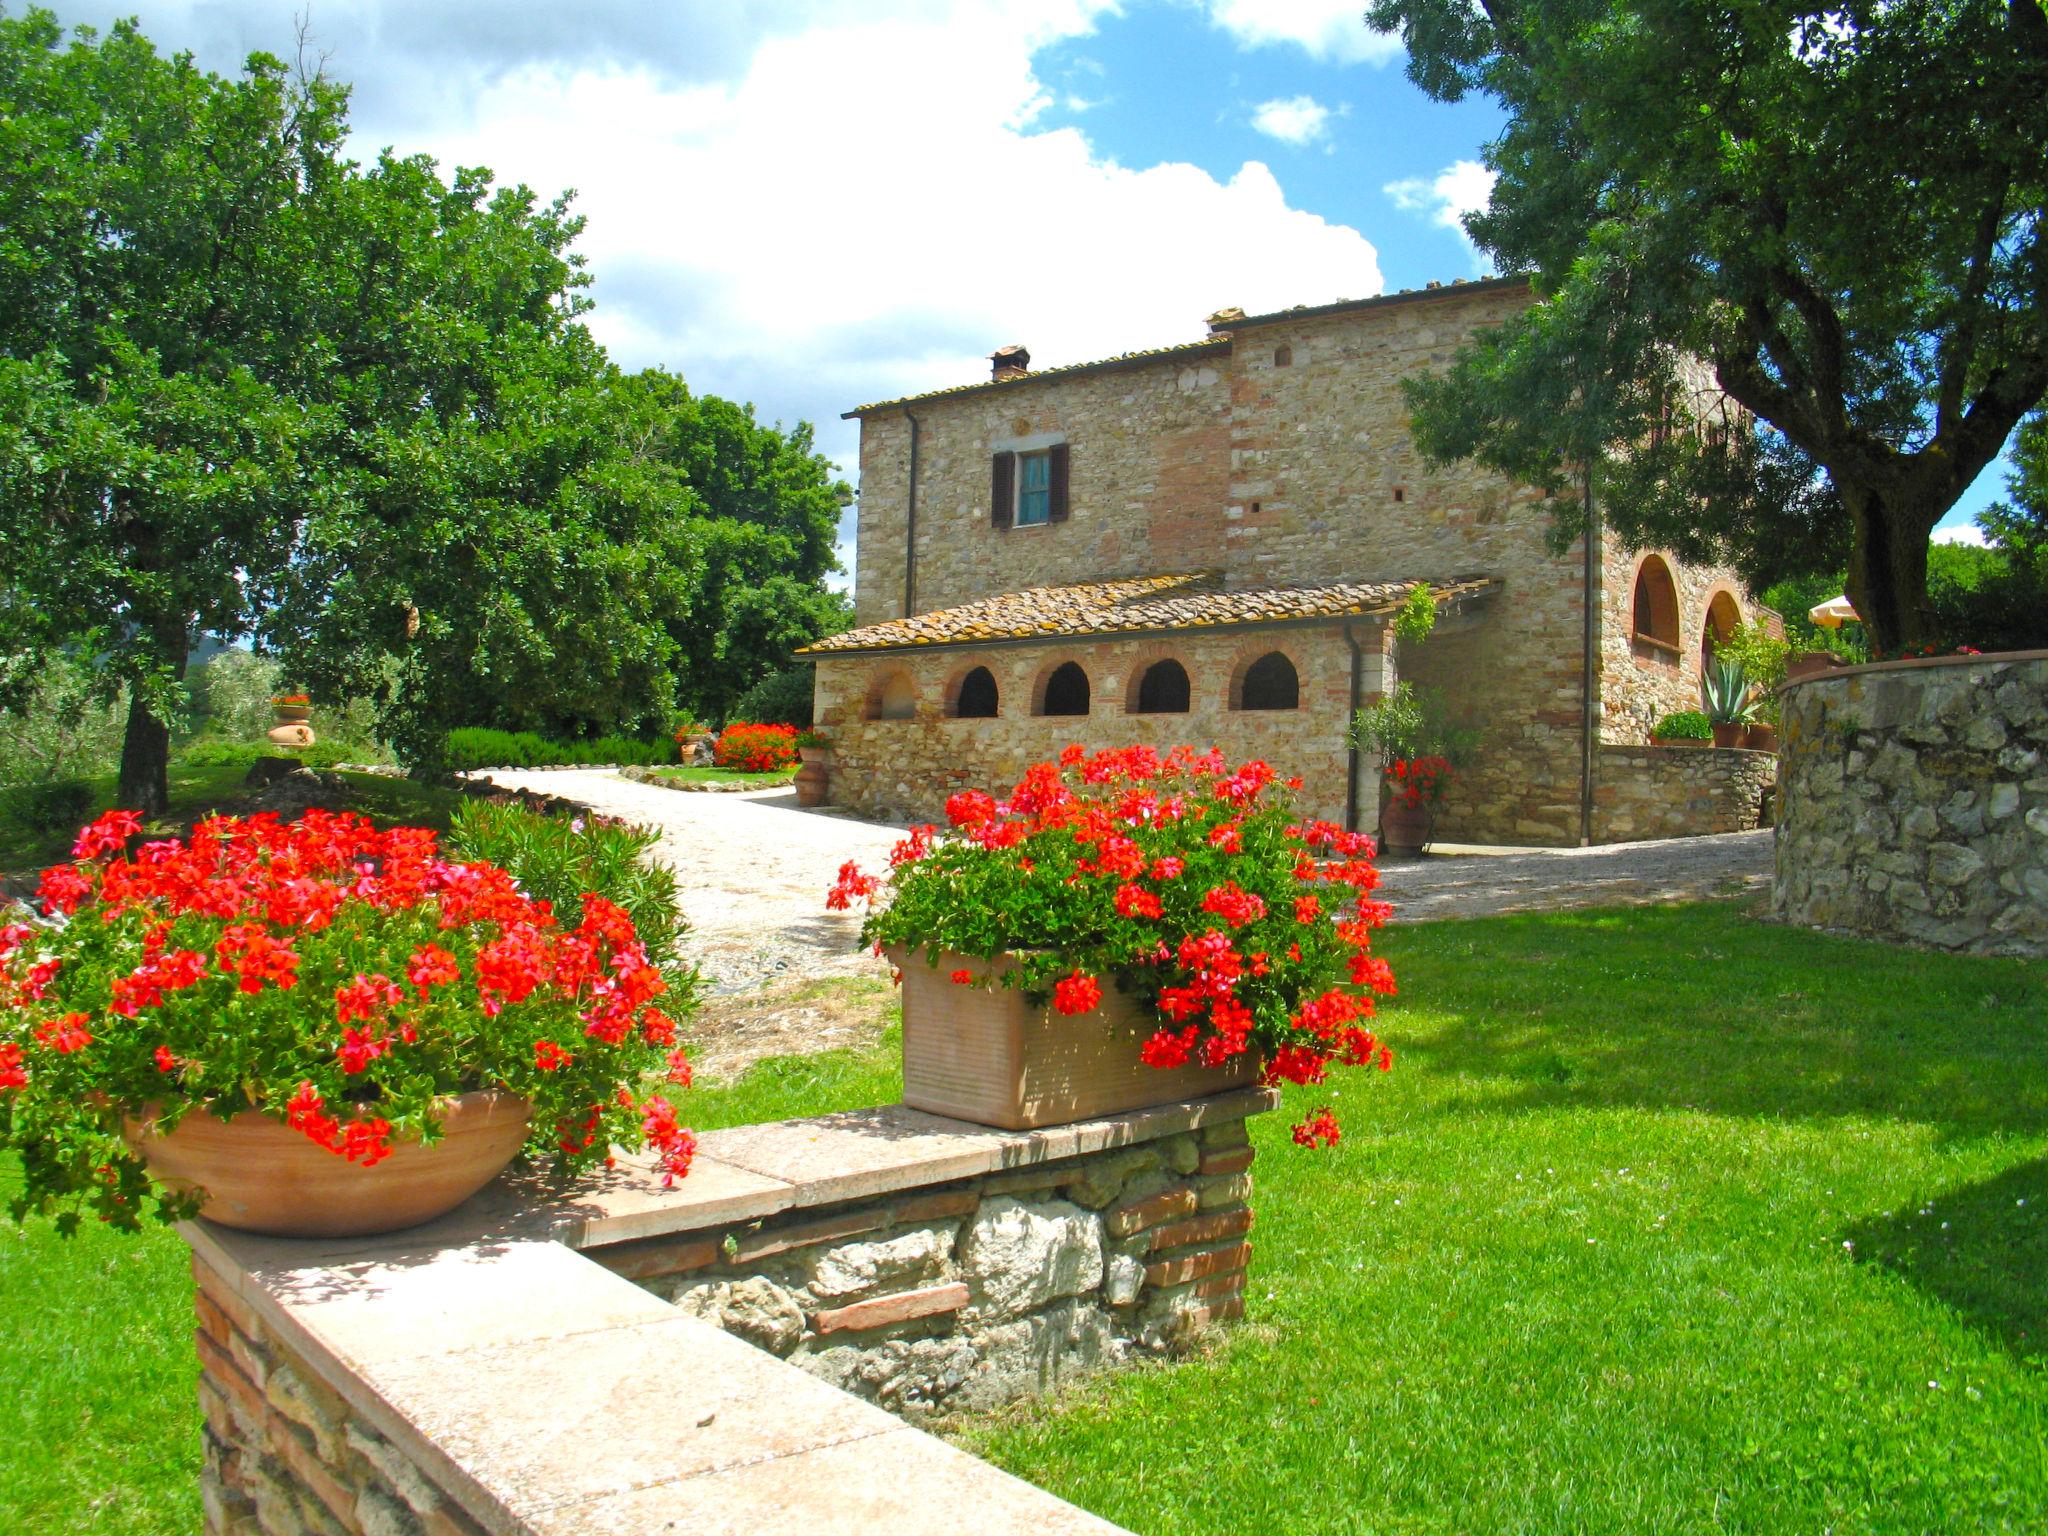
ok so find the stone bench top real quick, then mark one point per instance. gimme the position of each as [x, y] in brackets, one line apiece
[555, 1398]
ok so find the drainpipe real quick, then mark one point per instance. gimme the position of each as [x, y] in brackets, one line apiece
[910, 527]
[1589, 664]
[1357, 702]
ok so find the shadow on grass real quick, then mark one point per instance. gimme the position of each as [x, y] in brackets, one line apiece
[1703, 1008]
[1980, 1248]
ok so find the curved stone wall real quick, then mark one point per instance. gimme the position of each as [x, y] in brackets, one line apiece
[1914, 802]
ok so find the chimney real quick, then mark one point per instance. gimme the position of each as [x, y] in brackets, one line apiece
[1224, 319]
[1011, 362]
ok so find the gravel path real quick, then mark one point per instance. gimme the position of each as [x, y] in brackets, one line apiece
[755, 870]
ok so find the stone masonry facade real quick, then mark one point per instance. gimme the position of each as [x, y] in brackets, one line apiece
[1276, 453]
[1915, 803]
[970, 1294]
[285, 1454]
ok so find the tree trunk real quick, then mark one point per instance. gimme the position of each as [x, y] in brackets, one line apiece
[145, 781]
[1888, 567]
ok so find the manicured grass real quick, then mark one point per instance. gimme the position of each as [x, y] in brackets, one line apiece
[1665, 1220]
[680, 775]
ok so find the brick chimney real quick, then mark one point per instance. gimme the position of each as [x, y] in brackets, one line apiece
[1011, 362]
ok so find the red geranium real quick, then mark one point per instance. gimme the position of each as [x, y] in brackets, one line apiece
[1416, 781]
[750, 748]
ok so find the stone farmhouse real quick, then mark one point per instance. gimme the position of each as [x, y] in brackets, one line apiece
[1207, 544]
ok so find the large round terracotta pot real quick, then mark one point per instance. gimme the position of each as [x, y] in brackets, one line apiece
[1762, 736]
[1405, 828]
[292, 714]
[260, 1175]
[1728, 733]
[814, 779]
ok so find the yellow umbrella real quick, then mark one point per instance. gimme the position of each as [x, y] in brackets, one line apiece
[1833, 613]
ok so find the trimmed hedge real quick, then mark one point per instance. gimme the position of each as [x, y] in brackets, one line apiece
[482, 747]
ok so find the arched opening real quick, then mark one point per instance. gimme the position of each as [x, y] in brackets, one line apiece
[978, 698]
[1162, 690]
[1066, 691]
[1722, 617]
[1271, 683]
[1283, 356]
[892, 697]
[1655, 619]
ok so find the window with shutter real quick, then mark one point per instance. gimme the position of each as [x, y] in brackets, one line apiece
[1028, 487]
[1034, 489]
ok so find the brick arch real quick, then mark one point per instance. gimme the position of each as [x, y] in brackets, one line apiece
[1255, 651]
[891, 695]
[1654, 620]
[1719, 615]
[1049, 670]
[963, 678]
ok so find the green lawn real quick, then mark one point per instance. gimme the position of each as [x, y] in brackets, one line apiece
[725, 776]
[1664, 1221]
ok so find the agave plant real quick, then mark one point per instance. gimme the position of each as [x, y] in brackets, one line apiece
[1724, 690]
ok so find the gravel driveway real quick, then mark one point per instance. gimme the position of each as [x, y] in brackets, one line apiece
[754, 870]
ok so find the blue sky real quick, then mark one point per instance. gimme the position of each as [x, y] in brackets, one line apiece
[809, 204]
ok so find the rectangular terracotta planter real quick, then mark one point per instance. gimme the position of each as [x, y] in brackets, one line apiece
[984, 1054]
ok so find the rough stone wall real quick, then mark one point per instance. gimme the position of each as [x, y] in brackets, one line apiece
[285, 1454]
[1914, 803]
[906, 768]
[1641, 684]
[1650, 792]
[971, 1294]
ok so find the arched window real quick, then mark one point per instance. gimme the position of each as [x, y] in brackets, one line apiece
[1271, 683]
[1162, 690]
[977, 700]
[892, 697]
[1283, 357]
[1066, 691]
[1722, 617]
[1655, 622]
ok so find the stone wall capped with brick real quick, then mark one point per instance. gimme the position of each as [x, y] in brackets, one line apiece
[1914, 802]
[973, 1293]
[1652, 792]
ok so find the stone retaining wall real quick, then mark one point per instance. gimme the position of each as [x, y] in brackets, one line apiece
[973, 1293]
[1641, 793]
[1915, 802]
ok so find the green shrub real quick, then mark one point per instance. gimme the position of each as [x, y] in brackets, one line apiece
[63, 803]
[215, 752]
[483, 747]
[560, 859]
[783, 698]
[66, 728]
[1686, 725]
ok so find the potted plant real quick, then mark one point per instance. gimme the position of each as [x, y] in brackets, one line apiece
[1404, 727]
[1414, 785]
[1126, 929]
[814, 777]
[693, 742]
[291, 708]
[314, 1029]
[1724, 690]
[1682, 728]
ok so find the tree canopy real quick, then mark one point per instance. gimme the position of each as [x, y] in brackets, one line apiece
[249, 388]
[1789, 266]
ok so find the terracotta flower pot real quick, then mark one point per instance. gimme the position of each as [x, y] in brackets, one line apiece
[984, 1054]
[1728, 733]
[260, 1175]
[814, 779]
[292, 714]
[1405, 828]
[1762, 737]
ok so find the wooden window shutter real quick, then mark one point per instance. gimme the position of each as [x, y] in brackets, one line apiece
[1056, 502]
[1002, 494]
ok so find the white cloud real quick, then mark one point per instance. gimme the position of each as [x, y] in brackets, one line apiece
[1334, 30]
[1961, 533]
[1459, 189]
[1297, 120]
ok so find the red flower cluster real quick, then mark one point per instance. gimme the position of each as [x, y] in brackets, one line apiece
[1174, 877]
[1417, 781]
[751, 748]
[254, 963]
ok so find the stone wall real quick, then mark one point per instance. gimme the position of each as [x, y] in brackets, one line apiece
[1641, 793]
[285, 1453]
[973, 1293]
[1914, 802]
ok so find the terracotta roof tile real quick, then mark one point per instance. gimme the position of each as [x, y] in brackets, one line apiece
[1136, 604]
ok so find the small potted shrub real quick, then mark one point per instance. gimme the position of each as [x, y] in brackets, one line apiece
[814, 778]
[1682, 728]
[747, 747]
[1413, 787]
[314, 1029]
[1724, 689]
[1419, 747]
[693, 742]
[1126, 929]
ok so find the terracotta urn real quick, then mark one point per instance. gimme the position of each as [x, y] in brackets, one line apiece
[1728, 733]
[260, 1175]
[1762, 736]
[986, 1054]
[1809, 663]
[814, 777]
[1405, 828]
[291, 714]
